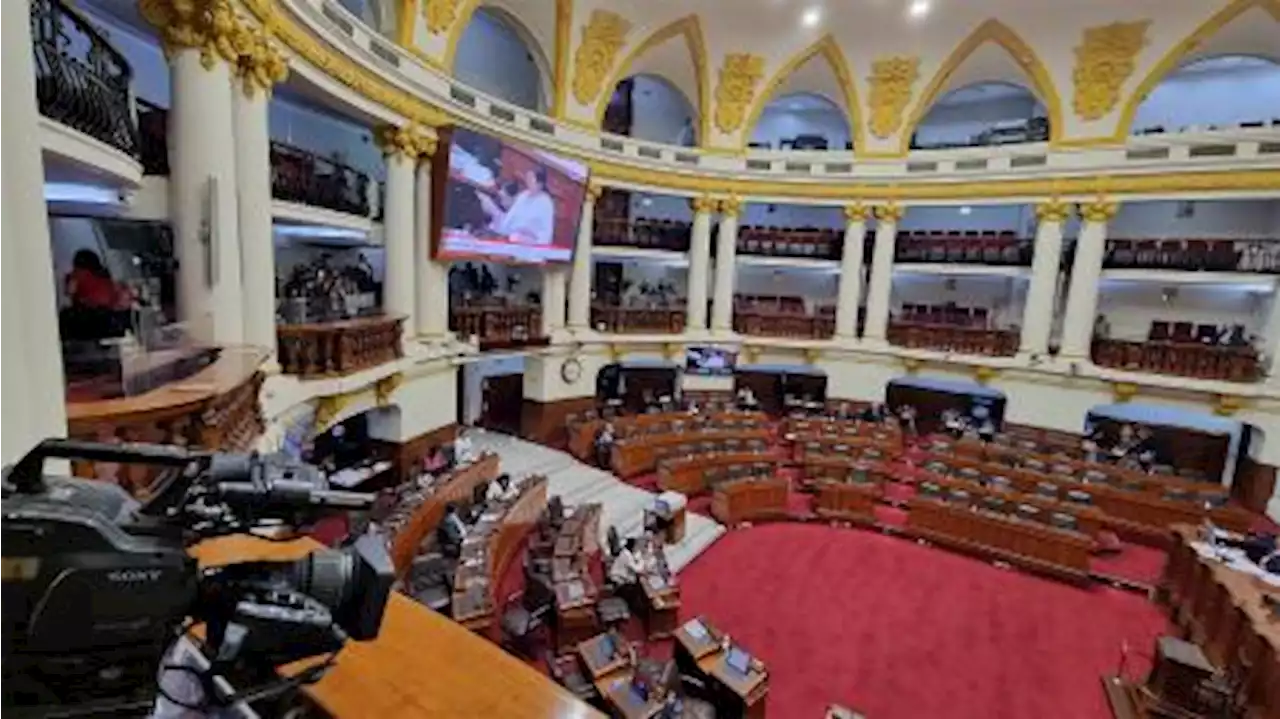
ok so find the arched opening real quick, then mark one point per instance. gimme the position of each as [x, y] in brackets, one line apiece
[367, 11]
[652, 108]
[498, 56]
[783, 389]
[955, 407]
[1213, 92]
[493, 393]
[983, 113]
[1194, 445]
[802, 121]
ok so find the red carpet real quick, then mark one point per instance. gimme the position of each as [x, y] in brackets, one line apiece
[1134, 562]
[899, 630]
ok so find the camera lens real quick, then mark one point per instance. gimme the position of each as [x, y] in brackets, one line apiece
[324, 575]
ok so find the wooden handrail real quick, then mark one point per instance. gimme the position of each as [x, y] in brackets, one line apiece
[1182, 359]
[638, 320]
[962, 340]
[308, 178]
[331, 349]
[783, 324]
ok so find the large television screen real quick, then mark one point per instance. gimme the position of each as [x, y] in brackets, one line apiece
[506, 202]
[710, 361]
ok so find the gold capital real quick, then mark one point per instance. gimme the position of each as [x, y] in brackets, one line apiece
[731, 206]
[1100, 210]
[704, 203]
[408, 141]
[890, 212]
[1053, 211]
[594, 190]
[259, 64]
[857, 212]
[210, 26]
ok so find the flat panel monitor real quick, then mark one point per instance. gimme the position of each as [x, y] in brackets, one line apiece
[710, 361]
[507, 202]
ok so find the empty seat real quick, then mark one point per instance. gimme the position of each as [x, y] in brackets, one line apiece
[1177, 494]
[930, 489]
[1047, 489]
[937, 467]
[1000, 483]
[1028, 511]
[970, 474]
[1095, 476]
[1076, 496]
[1062, 520]
[994, 503]
[959, 496]
[1034, 465]
[1064, 470]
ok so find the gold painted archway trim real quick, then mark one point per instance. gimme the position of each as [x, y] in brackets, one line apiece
[1178, 53]
[829, 49]
[691, 28]
[1032, 67]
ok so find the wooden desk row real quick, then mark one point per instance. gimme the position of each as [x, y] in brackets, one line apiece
[696, 474]
[747, 500]
[1030, 545]
[847, 501]
[583, 432]
[639, 455]
[829, 426]
[699, 652]
[458, 487]
[1089, 519]
[815, 470]
[491, 544]
[1222, 610]
[807, 446]
[572, 549]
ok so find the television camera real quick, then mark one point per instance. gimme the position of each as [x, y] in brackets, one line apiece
[97, 585]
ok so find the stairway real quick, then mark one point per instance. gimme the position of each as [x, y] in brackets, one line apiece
[622, 504]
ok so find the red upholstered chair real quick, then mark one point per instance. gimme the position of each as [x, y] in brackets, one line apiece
[1182, 332]
[1159, 332]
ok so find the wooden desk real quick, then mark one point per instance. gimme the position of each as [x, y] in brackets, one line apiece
[662, 606]
[847, 502]
[421, 664]
[734, 694]
[639, 455]
[582, 435]
[750, 499]
[457, 488]
[1222, 610]
[613, 675]
[689, 475]
[575, 617]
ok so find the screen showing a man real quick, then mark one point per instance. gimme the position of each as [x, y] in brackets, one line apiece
[504, 202]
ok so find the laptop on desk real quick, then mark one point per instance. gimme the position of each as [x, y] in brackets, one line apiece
[739, 661]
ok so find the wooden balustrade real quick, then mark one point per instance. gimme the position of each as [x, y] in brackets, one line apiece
[805, 243]
[1032, 545]
[1193, 255]
[761, 323]
[307, 178]
[750, 499]
[499, 327]
[972, 247]
[960, 340]
[650, 234]
[82, 81]
[331, 349]
[638, 320]
[1183, 359]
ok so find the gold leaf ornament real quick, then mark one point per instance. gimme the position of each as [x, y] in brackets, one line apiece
[1105, 59]
[441, 14]
[740, 74]
[603, 37]
[210, 27]
[892, 82]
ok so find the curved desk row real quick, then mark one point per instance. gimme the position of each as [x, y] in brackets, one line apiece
[847, 501]
[458, 487]
[750, 499]
[491, 544]
[831, 427]
[852, 446]
[1034, 546]
[639, 455]
[1087, 519]
[698, 473]
[582, 433]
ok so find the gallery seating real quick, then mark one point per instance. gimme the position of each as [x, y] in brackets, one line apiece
[638, 320]
[644, 233]
[1181, 358]
[974, 247]
[1193, 255]
[798, 242]
[960, 340]
[497, 325]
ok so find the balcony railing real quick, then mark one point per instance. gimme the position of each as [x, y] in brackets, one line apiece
[81, 80]
[332, 349]
[1194, 255]
[499, 327]
[670, 235]
[961, 340]
[788, 325]
[801, 243]
[153, 138]
[971, 248]
[1182, 359]
[638, 320]
[310, 179]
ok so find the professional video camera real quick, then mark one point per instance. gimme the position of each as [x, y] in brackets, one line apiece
[97, 586]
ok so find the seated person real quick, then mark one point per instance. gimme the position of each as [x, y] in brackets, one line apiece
[502, 489]
[463, 452]
[434, 460]
[843, 412]
[625, 572]
[747, 400]
[604, 445]
[1259, 547]
[451, 532]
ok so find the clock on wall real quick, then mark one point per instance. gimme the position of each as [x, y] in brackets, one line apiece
[571, 370]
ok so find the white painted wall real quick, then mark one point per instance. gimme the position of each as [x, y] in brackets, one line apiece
[1214, 219]
[1130, 307]
[959, 123]
[493, 58]
[660, 112]
[1003, 297]
[1209, 97]
[326, 135]
[778, 123]
[427, 402]
[474, 374]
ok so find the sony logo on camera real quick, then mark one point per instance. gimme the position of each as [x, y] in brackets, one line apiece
[134, 576]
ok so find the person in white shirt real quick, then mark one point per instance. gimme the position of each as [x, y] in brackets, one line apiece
[531, 216]
[502, 489]
[625, 573]
[462, 450]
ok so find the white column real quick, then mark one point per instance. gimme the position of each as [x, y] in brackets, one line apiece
[257, 248]
[1086, 271]
[401, 147]
[726, 265]
[33, 384]
[1037, 316]
[580, 280]
[554, 289]
[1271, 343]
[850, 293]
[431, 286]
[699, 263]
[881, 286]
[204, 199]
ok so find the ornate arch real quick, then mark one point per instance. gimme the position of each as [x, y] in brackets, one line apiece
[1176, 54]
[827, 47]
[691, 28]
[1035, 71]
[546, 70]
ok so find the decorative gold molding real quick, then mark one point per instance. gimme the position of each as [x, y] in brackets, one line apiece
[891, 212]
[564, 38]
[1054, 210]
[731, 206]
[751, 353]
[983, 374]
[616, 352]
[441, 15]
[704, 203]
[1036, 72]
[260, 64]
[385, 388]
[407, 141]
[209, 27]
[912, 365]
[1226, 405]
[594, 190]
[670, 350]
[1105, 59]
[1122, 392]
[829, 50]
[740, 74]
[892, 79]
[603, 37]
[812, 354]
[858, 212]
[1100, 210]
